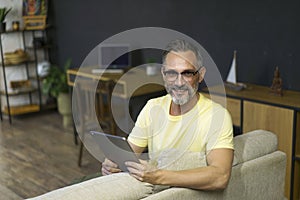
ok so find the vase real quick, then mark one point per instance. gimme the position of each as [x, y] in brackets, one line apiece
[65, 108]
[2, 27]
[151, 70]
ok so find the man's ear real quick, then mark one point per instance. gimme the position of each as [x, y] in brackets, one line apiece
[202, 72]
[162, 70]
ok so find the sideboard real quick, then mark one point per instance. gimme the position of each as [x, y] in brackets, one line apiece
[255, 107]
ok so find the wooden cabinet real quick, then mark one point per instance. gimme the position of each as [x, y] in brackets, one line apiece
[232, 105]
[276, 119]
[255, 108]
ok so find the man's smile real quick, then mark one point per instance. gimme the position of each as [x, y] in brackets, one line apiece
[180, 91]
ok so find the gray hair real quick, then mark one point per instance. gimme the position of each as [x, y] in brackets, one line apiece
[183, 46]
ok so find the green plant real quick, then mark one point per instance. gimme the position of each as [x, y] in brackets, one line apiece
[56, 80]
[3, 12]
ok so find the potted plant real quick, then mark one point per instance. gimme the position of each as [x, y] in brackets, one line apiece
[55, 84]
[3, 12]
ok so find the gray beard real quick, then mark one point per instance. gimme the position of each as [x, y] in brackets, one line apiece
[180, 101]
[183, 99]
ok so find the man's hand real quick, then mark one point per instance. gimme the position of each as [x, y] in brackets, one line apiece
[109, 167]
[215, 176]
[143, 171]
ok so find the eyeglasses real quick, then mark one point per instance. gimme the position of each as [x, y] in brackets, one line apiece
[172, 75]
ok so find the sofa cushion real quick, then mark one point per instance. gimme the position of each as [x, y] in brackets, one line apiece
[253, 144]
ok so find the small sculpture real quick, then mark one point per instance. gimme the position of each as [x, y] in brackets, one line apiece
[276, 87]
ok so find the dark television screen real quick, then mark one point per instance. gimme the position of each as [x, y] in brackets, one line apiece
[114, 56]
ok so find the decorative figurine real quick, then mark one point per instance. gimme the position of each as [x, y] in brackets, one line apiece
[15, 25]
[276, 87]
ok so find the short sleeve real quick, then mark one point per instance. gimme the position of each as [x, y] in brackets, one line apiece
[221, 132]
[140, 131]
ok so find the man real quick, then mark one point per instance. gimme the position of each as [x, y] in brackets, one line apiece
[180, 130]
[183, 121]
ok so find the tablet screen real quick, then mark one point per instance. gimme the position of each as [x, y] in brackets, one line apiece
[115, 148]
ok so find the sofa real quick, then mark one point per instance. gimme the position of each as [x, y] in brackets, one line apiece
[258, 172]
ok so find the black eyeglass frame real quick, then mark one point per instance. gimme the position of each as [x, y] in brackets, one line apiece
[185, 74]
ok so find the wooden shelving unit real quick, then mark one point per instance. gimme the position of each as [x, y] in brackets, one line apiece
[19, 91]
[17, 64]
[22, 109]
[31, 66]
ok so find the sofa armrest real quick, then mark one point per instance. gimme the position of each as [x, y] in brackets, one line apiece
[185, 193]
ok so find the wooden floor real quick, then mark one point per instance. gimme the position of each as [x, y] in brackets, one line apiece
[38, 155]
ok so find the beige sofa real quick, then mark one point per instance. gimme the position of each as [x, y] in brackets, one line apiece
[258, 173]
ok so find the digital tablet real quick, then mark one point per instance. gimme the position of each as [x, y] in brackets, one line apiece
[115, 148]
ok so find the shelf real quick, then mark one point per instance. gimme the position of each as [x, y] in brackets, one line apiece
[22, 109]
[16, 64]
[19, 91]
[23, 30]
[11, 31]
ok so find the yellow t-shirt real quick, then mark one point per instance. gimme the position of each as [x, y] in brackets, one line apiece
[207, 126]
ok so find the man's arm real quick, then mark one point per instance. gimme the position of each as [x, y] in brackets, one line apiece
[136, 149]
[215, 176]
